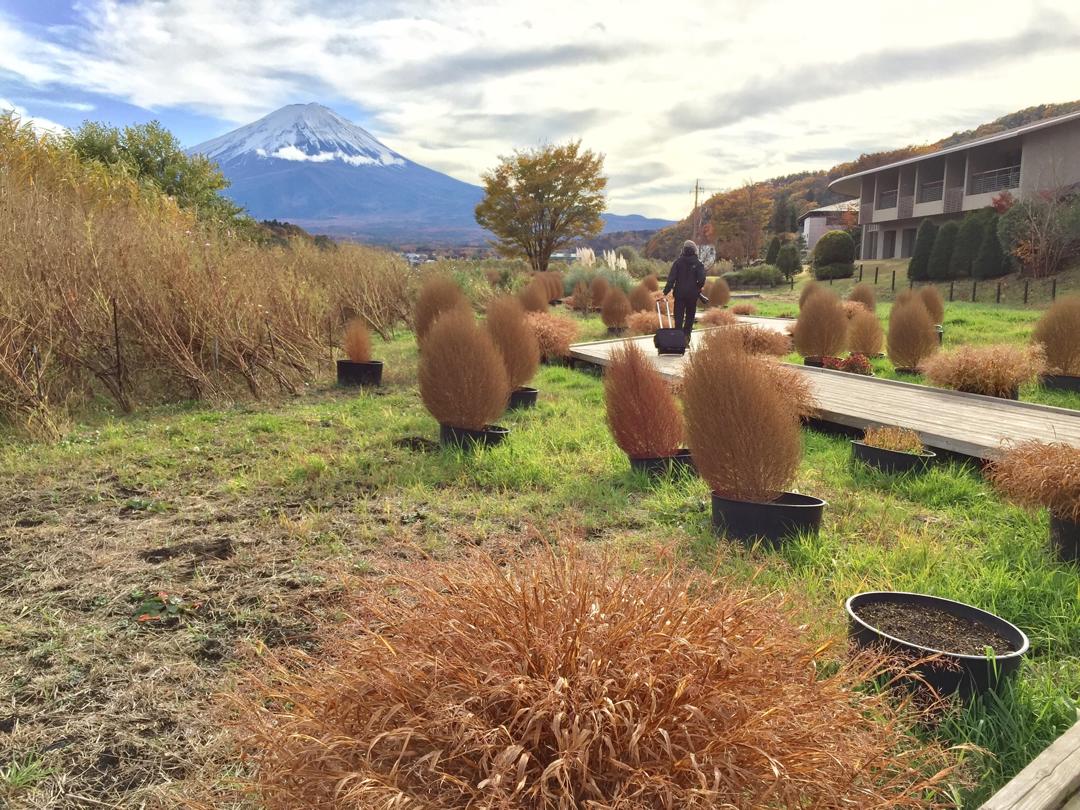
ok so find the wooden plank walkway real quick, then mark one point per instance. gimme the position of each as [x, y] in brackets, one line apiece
[1051, 781]
[969, 424]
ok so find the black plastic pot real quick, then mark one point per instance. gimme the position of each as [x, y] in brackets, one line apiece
[951, 672]
[813, 362]
[1060, 382]
[653, 467]
[1065, 539]
[554, 302]
[940, 334]
[683, 462]
[359, 374]
[523, 397]
[891, 461]
[616, 330]
[464, 437]
[775, 521]
[910, 371]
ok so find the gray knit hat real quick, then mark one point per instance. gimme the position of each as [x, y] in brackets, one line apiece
[690, 243]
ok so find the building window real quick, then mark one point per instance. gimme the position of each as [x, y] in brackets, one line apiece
[887, 199]
[888, 245]
[931, 192]
[994, 180]
[907, 243]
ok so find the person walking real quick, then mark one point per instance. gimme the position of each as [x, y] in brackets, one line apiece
[686, 277]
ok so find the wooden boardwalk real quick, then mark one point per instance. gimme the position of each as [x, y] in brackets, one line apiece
[1050, 782]
[969, 424]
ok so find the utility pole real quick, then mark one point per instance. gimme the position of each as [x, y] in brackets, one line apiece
[697, 213]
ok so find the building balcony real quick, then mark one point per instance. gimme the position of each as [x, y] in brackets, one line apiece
[994, 180]
[887, 199]
[930, 192]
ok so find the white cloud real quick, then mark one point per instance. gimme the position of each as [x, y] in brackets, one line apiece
[41, 125]
[765, 88]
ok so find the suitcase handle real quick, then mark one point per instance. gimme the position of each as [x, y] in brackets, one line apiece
[659, 317]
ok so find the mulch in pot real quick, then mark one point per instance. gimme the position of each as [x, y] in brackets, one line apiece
[936, 629]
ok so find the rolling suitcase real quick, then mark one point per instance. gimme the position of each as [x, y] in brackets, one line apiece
[671, 340]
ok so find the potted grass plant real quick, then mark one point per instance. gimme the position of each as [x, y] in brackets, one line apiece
[935, 307]
[911, 338]
[892, 450]
[518, 346]
[821, 329]
[743, 430]
[1037, 474]
[554, 334]
[535, 296]
[946, 645]
[463, 381]
[1058, 333]
[642, 298]
[438, 294]
[865, 335]
[641, 411]
[863, 293]
[614, 311]
[993, 371]
[358, 369]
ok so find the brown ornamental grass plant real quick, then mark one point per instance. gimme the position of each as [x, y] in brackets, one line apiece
[809, 289]
[865, 335]
[642, 298]
[912, 337]
[757, 340]
[561, 682]
[535, 295]
[995, 371]
[1058, 332]
[899, 439]
[651, 282]
[642, 412]
[822, 326]
[513, 338]
[934, 303]
[582, 298]
[718, 292]
[714, 316]
[438, 294]
[1035, 474]
[863, 293]
[742, 427]
[744, 309]
[644, 323]
[615, 309]
[463, 381]
[554, 334]
[598, 291]
[357, 341]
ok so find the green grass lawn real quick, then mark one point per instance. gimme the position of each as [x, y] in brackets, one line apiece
[258, 519]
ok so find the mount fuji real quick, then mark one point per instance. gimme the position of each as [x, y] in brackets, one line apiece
[306, 164]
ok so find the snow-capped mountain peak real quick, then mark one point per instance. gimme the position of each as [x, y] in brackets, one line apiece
[304, 133]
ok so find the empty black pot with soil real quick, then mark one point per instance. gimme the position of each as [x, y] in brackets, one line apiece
[524, 397]
[653, 467]
[814, 362]
[1065, 539]
[1060, 382]
[891, 461]
[465, 437]
[915, 626]
[773, 521]
[354, 374]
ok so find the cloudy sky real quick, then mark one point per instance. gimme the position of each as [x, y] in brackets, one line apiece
[669, 92]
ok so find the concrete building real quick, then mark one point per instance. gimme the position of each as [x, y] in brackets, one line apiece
[942, 185]
[816, 223]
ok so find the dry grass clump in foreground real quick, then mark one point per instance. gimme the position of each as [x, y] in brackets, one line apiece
[863, 293]
[1058, 332]
[822, 327]
[758, 340]
[513, 338]
[554, 334]
[912, 337]
[1035, 474]
[865, 335]
[810, 288]
[463, 381]
[893, 438]
[995, 371]
[743, 309]
[438, 295]
[357, 341]
[641, 410]
[714, 316]
[561, 683]
[615, 309]
[742, 426]
[718, 293]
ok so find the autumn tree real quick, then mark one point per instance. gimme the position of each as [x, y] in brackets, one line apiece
[738, 222]
[539, 200]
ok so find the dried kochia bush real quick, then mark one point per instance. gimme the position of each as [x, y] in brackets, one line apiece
[535, 295]
[714, 316]
[642, 298]
[865, 335]
[759, 340]
[933, 302]
[742, 427]
[1058, 332]
[438, 294]
[995, 371]
[644, 323]
[463, 381]
[1035, 474]
[718, 292]
[810, 288]
[554, 334]
[563, 682]
[863, 293]
[615, 309]
[357, 341]
[821, 330]
[598, 291]
[641, 410]
[912, 337]
[744, 309]
[651, 282]
[582, 299]
[513, 338]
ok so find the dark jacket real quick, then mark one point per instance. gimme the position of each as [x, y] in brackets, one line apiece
[687, 276]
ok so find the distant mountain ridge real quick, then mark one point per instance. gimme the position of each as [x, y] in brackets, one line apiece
[306, 164]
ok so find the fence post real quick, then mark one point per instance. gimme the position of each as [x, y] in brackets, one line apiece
[1025, 290]
[1053, 290]
[997, 299]
[973, 285]
[894, 281]
[910, 283]
[875, 275]
[860, 272]
[793, 283]
[830, 281]
[951, 286]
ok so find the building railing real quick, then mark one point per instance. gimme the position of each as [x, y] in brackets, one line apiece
[887, 199]
[931, 192]
[994, 180]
